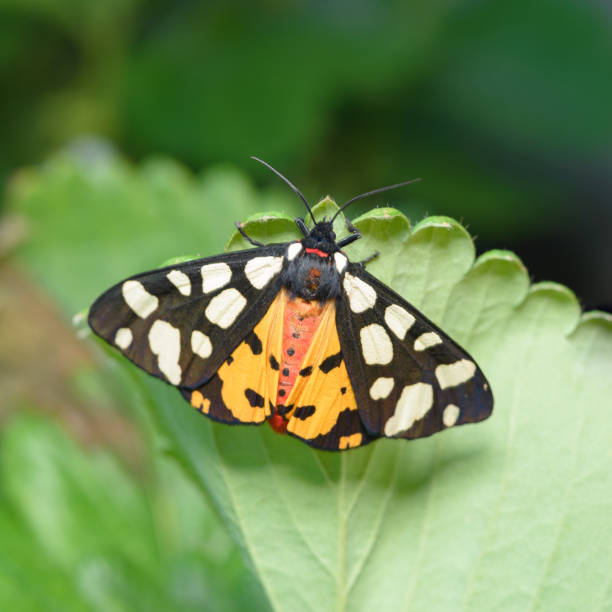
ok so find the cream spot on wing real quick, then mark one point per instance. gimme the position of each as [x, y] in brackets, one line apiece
[260, 270]
[456, 373]
[225, 307]
[350, 441]
[123, 337]
[200, 402]
[361, 296]
[381, 388]
[200, 344]
[375, 344]
[414, 403]
[180, 280]
[426, 340]
[139, 299]
[450, 415]
[294, 250]
[399, 320]
[215, 276]
[341, 262]
[165, 342]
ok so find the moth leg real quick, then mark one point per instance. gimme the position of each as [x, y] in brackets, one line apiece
[246, 237]
[302, 226]
[351, 228]
[354, 235]
[363, 262]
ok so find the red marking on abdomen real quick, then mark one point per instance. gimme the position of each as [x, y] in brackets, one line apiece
[317, 252]
[302, 318]
[278, 423]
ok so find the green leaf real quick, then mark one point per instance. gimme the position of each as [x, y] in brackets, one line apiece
[20, 561]
[197, 111]
[521, 94]
[102, 214]
[491, 516]
[265, 227]
[101, 535]
[79, 534]
[512, 513]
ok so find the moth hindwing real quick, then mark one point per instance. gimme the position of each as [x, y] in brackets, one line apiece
[297, 335]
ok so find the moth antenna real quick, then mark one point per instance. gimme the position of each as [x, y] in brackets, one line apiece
[373, 192]
[293, 187]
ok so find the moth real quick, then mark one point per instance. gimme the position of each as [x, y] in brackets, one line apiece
[297, 335]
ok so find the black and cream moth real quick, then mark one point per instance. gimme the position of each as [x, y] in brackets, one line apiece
[297, 335]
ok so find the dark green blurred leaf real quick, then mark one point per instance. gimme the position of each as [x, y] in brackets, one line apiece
[534, 75]
[501, 106]
[267, 89]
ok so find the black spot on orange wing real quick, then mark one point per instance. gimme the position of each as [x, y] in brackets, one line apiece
[306, 371]
[254, 343]
[303, 412]
[255, 400]
[282, 409]
[273, 363]
[229, 360]
[343, 390]
[331, 362]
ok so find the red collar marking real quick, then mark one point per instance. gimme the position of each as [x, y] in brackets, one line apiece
[317, 252]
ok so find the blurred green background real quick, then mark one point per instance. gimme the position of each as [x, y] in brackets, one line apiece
[503, 108]
[127, 130]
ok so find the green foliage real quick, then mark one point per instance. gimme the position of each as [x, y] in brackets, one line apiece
[488, 101]
[505, 77]
[512, 513]
[485, 517]
[101, 214]
[79, 534]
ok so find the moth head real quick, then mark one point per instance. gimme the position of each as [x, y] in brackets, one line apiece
[323, 231]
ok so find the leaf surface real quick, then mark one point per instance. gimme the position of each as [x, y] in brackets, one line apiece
[510, 514]
[492, 516]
